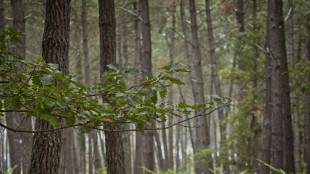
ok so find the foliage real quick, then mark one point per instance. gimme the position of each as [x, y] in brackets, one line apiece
[42, 91]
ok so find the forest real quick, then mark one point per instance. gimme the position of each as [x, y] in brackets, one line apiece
[155, 87]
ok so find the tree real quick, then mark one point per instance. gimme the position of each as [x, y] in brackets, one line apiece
[277, 54]
[138, 163]
[148, 156]
[202, 137]
[114, 146]
[55, 46]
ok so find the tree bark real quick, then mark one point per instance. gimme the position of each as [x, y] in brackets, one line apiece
[47, 146]
[307, 116]
[214, 77]
[107, 23]
[149, 160]
[288, 135]
[160, 158]
[202, 137]
[1, 16]
[277, 54]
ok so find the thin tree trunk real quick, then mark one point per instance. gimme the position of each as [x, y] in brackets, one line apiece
[189, 59]
[75, 154]
[67, 151]
[292, 58]
[85, 42]
[165, 146]
[170, 91]
[288, 135]
[97, 158]
[177, 145]
[147, 71]
[138, 162]
[102, 145]
[159, 151]
[202, 137]
[90, 154]
[214, 76]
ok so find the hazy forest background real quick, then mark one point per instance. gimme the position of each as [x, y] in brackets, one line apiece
[244, 107]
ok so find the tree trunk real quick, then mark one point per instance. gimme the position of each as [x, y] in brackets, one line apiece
[19, 152]
[292, 58]
[97, 158]
[138, 162]
[170, 91]
[215, 78]
[177, 145]
[85, 42]
[1, 16]
[277, 53]
[90, 154]
[288, 136]
[165, 146]
[47, 146]
[107, 23]
[159, 151]
[307, 116]
[67, 150]
[149, 159]
[189, 61]
[202, 137]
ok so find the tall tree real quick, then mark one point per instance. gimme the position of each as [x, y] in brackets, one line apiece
[280, 88]
[55, 46]
[20, 152]
[107, 24]
[307, 116]
[202, 135]
[149, 158]
[1, 16]
[214, 77]
[170, 90]
[138, 163]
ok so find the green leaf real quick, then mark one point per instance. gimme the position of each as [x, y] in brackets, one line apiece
[113, 66]
[132, 71]
[132, 101]
[150, 94]
[154, 99]
[16, 105]
[104, 77]
[47, 79]
[54, 121]
[183, 70]
[173, 80]
[53, 66]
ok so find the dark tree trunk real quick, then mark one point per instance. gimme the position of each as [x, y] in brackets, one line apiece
[149, 159]
[307, 116]
[288, 137]
[47, 146]
[277, 54]
[1, 16]
[107, 23]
